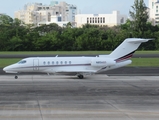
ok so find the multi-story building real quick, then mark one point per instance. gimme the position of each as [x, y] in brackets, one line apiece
[37, 12]
[154, 11]
[101, 19]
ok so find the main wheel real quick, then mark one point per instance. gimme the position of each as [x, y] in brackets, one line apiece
[80, 76]
[16, 77]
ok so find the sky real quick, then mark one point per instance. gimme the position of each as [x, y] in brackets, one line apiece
[84, 6]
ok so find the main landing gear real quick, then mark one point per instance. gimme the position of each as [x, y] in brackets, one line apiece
[80, 76]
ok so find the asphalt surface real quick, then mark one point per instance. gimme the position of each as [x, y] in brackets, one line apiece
[97, 97]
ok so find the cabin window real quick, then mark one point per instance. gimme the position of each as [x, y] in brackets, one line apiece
[61, 62]
[53, 62]
[65, 62]
[69, 62]
[44, 62]
[48, 63]
[22, 62]
[57, 63]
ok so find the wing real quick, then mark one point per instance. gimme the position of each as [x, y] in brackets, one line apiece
[71, 72]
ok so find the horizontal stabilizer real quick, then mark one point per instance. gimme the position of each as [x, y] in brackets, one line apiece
[139, 40]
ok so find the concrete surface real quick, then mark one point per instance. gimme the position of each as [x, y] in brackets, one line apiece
[100, 97]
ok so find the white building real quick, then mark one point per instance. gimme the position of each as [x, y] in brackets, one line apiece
[55, 19]
[37, 12]
[154, 11]
[100, 19]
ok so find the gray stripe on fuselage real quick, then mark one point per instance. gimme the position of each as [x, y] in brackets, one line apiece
[56, 66]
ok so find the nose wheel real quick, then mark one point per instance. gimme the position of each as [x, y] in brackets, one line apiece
[80, 76]
[16, 77]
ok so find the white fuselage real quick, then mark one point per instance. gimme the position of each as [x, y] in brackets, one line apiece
[75, 65]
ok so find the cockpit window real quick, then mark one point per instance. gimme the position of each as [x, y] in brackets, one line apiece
[22, 62]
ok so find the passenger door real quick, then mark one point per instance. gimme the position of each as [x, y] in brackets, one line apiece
[35, 65]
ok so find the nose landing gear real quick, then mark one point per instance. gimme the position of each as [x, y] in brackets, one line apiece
[16, 77]
[80, 76]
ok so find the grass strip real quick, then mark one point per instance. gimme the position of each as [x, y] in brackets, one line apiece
[70, 52]
[8, 61]
[145, 62]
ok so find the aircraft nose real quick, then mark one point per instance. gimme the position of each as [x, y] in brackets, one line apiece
[9, 69]
[6, 68]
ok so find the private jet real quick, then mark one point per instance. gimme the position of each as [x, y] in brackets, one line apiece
[79, 66]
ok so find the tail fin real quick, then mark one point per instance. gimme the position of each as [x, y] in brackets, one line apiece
[126, 49]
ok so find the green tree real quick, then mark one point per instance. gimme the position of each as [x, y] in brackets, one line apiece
[139, 17]
[44, 29]
[5, 20]
[69, 25]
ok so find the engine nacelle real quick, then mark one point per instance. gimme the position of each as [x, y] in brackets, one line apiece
[102, 62]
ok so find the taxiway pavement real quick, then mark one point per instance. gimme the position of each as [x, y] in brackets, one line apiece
[99, 97]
